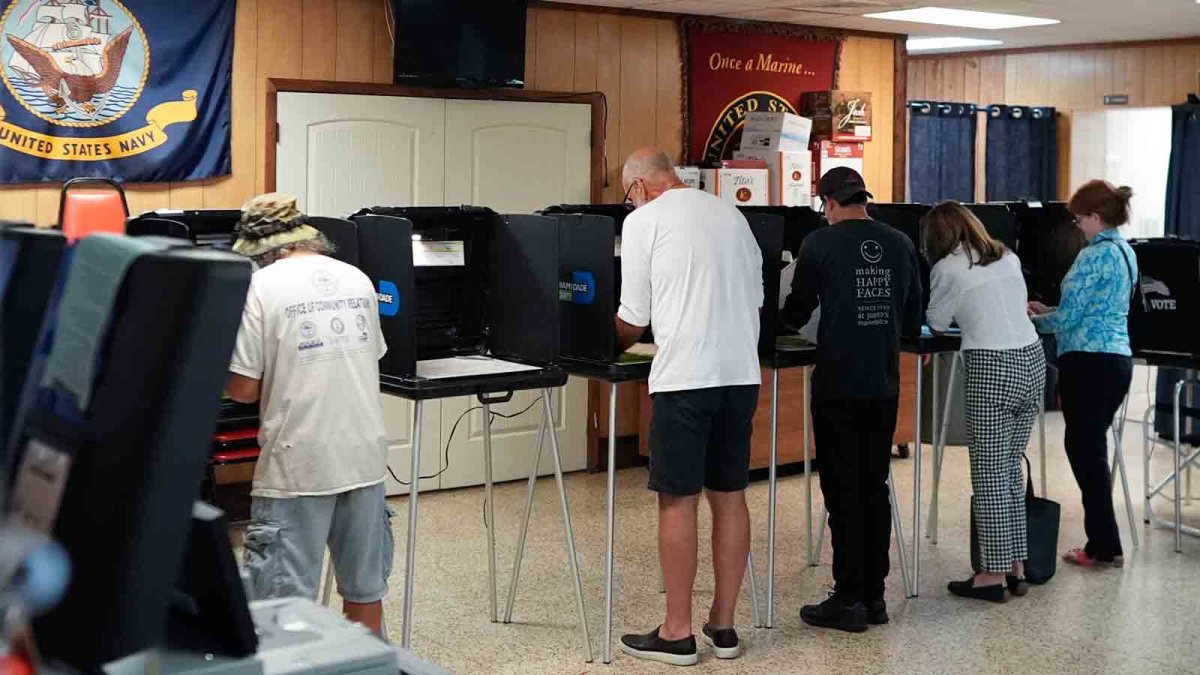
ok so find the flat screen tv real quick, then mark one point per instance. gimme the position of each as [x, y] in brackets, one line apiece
[462, 43]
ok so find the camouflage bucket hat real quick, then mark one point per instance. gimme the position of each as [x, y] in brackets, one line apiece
[270, 222]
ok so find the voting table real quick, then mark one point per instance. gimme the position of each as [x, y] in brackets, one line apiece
[483, 322]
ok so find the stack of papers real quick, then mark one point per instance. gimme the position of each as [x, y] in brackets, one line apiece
[468, 366]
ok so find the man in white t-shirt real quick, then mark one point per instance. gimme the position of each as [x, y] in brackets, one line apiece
[309, 350]
[691, 267]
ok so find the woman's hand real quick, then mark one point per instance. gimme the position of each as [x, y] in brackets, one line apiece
[1036, 308]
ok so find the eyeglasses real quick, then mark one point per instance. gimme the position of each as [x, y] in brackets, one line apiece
[627, 201]
[821, 211]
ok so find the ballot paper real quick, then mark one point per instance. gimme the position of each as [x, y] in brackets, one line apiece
[809, 330]
[468, 366]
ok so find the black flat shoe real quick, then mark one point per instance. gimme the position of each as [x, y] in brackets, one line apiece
[724, 642]
[1017, 585]
[653, 648]
[835, 614]
[968, 589]
[877, 612]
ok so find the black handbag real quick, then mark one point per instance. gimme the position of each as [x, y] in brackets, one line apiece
[1041, 519]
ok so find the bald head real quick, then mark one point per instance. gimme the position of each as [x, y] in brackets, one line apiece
[647, 174]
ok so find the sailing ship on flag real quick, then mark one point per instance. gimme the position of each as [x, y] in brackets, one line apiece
[68, 64]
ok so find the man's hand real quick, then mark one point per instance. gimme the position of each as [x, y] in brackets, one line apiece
[1036, 308]
[627, 334]
[243, 389]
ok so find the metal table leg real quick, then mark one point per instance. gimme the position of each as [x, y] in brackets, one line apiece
[411, 553]
[533, 476]
[1119, 463]
[939, 450]
[489, 513]
[1178, 468]
[771, 504]
[813, 547]
[1042, 444]
[1147, 421]
[936, 426]
[916, 552]
[568, 531]
[610, 500]
[755, 616]
[899, 527]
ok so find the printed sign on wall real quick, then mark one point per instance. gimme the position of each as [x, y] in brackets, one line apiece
[731, 69]
[136, 90]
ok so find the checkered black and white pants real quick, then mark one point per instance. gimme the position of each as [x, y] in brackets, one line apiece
[1003, 396]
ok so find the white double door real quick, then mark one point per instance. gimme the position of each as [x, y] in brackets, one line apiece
[339, 153]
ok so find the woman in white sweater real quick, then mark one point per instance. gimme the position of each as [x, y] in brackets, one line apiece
[977, 283]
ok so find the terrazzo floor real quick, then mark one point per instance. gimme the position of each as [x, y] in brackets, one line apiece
[1144, 618]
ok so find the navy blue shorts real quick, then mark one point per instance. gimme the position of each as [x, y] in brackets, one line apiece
[700, 439]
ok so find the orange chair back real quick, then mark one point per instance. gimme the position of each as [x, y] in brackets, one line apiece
[91, 205]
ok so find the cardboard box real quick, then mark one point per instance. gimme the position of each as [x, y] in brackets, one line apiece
[773, 140]
[845, 116]
[689, 175]
[829, 155]
[790, 175]
[779, 123]
[743, 182]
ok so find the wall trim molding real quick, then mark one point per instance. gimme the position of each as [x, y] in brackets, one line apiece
[1133, 44]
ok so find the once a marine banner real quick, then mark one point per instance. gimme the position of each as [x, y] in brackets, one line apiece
[135, 90]
[732, 68]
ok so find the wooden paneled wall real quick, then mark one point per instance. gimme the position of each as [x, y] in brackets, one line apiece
[635, 62]
[313, 39]
[1155, 75]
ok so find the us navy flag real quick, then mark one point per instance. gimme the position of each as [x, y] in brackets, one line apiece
[138, 90]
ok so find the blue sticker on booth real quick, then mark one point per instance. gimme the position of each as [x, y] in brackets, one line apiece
[389, 298]
[580, 290]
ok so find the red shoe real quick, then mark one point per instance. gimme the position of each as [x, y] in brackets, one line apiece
[1078, 556]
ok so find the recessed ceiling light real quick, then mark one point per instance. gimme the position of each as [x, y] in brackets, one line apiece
[932, 43]
[962, 18]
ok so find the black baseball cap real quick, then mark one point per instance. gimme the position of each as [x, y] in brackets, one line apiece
[842, 184]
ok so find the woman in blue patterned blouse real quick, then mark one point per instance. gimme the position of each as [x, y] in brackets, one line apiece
[1095, 361]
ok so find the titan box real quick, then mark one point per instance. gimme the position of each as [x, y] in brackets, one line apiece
[790, 175]
[745, 183]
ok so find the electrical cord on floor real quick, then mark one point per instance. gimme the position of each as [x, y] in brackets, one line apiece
[454, 428]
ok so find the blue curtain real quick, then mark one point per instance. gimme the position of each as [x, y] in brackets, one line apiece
[941, 152]
[1183, 178]
[1022, 153]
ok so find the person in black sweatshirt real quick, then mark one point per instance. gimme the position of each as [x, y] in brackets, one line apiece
[865, 277]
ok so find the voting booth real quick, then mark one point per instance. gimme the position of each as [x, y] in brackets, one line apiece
[1167, 297]
[999, 221]
[29, 262]
[1047, 245]
[907, 219]
[469, 305]
[210, 228]
[115, 419]
[461, 281]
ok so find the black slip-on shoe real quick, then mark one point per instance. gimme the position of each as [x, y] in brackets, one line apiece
[653, 648]
[724, 642]
[968, 589]
[836, 614]
[877, 612]
[1017, 585]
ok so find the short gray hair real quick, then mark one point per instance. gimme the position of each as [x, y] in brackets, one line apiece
[320, 244]
[649, 164]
